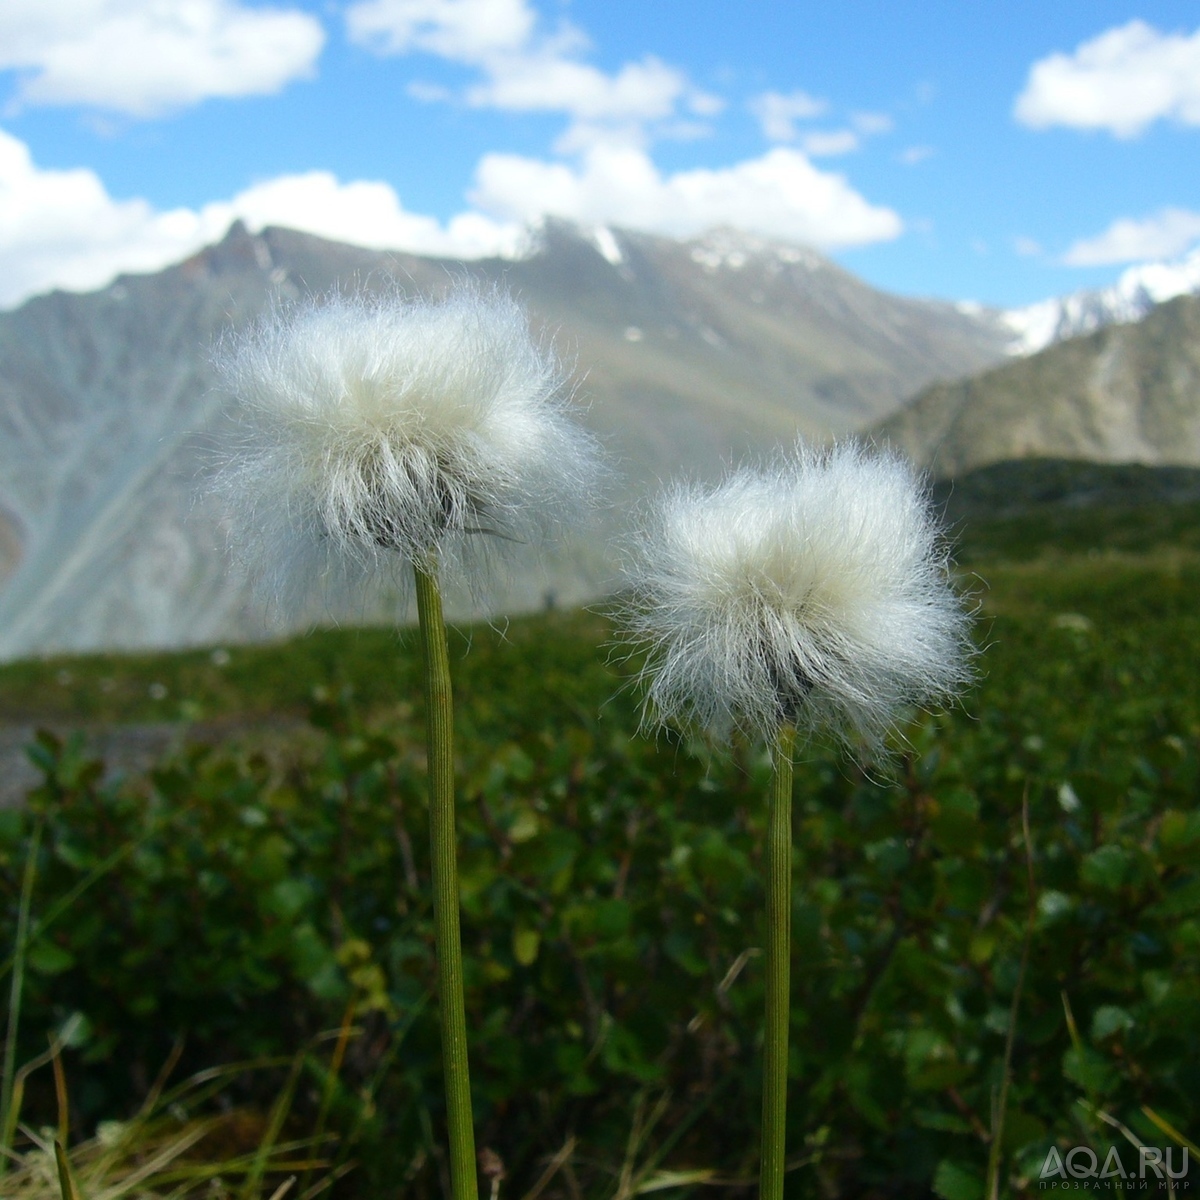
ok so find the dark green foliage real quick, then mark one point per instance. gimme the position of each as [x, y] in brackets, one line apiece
[1031, 508]
[612, 890]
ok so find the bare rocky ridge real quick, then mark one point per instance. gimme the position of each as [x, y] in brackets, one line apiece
[689, 354]
[1126, 394]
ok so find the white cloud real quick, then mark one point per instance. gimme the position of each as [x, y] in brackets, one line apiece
[643, 91]
[1167, 234]
[364, 213]
[824, 142]
[1123, 80]
[780, 195]
[778, 112]
[871, 123]
[63, 229]
[525, 69]
[705, 104]
[912, 155]
[467, 31]
[429, 93]
[148, 57]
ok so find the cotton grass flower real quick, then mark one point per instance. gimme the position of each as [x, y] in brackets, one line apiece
[384, 432]
[808, 595]
[379, 429]
[812, 592]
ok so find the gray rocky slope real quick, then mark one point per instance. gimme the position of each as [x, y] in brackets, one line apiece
[1125, 394]
[689, 354]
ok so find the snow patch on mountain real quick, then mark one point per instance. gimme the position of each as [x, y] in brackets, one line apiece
[1135, 293]
[731, 249]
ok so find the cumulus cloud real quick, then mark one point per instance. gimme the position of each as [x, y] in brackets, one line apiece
[780, 195]
[466, 31]
[365, 213]
[148, 57]
[1167, 234]
[526, 69]
[778, 112]
[642, 91]
[63, 229]
[825, 142]
[1122, 81]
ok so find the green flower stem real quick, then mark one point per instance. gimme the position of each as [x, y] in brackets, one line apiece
[779, 943]
[443, 847]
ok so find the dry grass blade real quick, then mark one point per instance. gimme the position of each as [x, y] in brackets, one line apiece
[163, 1153]
[1170, 1130]
[66, 1181]
[552, 1168]
[324, 1184]
[159, 1162]
[345, 1031]
[283, 1189]
[154, 1164]
[665, 1180]
[279, 1114]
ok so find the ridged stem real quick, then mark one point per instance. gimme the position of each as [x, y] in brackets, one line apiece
[778, 968]
[444, 857]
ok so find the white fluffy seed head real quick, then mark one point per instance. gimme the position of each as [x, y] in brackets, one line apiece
[378, 428]
[813, 591]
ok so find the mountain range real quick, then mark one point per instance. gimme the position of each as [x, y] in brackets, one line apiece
[687, 354]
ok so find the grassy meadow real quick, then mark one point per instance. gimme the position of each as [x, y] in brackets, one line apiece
[996, 933]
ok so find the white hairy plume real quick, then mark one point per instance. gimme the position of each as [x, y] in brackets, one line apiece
[378, 427]
[813, 591]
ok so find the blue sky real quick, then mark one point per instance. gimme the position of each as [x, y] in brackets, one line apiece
[995, 152]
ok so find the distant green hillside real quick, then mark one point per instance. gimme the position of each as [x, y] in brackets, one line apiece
[1129, 393]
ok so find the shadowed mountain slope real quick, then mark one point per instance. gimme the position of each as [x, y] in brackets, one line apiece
[687, 354]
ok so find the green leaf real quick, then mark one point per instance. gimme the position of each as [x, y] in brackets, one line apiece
[524, 826]
[1179, 836]
[890, 855]
[12, 825]
[1053, 905]
[289, 897]
[954, 1182]
[954, 821]
[1090, 1069]
[526, 943]
[1106, 868]
[48, 959]
[1107, 1020]
[1181, 900]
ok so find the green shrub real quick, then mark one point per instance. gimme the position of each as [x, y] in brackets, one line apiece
[611, 893]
